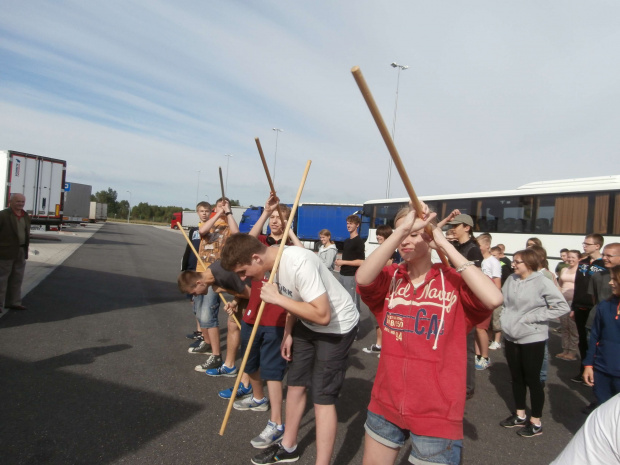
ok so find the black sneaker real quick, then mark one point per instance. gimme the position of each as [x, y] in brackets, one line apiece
[214, 361]
[590, 408]
[530, 430]
[512, 421]
[194, 335]
[577, 379]
[275, 454]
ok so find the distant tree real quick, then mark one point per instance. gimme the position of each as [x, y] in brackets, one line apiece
[234, 203]
[108, 197]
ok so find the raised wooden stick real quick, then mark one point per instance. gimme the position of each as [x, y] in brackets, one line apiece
[272, 276]
[385, 133]
[205, 267]
[222, 185]
[273, 189]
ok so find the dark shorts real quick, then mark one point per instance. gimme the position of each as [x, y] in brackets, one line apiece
[424, 449]
[319, 362]
[265, 353]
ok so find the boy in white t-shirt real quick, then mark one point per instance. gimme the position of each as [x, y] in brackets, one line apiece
[320, 328]
[491, 267]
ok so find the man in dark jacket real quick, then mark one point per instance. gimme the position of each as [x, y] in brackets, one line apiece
[14, 241]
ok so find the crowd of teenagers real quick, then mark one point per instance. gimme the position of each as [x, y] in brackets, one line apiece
[435, 325]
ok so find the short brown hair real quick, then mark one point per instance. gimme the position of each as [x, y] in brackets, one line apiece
[596, 238]
[496, 249]
[535, 240]
[204, 204]
[239, 249]
[286, 211]
[354, 219]
[384, 230]
[542, 256]
[484, 238]
[530, 259]
[187, 280]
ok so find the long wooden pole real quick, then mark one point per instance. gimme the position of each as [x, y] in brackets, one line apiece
[222, 185]
[205, 267]
[389, 142]
[273, 189]
[274, 269]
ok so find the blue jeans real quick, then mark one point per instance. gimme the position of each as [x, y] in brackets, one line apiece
[605, 386]
[206, 309]
[424, 449]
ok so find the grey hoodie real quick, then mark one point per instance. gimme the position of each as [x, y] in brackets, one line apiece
[529, 304]
[328, 255]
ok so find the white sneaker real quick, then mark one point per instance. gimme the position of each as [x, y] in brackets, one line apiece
[495, 345]
[270, 435]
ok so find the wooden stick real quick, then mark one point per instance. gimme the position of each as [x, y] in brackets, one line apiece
[376, 114]
[274, 269]
[273, 189]
[205, 267]
[222, 185]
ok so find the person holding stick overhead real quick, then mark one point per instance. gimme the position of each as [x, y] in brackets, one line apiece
[213, 235]
[427, 310]
[320, 329]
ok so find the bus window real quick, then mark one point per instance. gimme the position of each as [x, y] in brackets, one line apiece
[545, 211]
[517, 215]
[488, 212]
[382, 213]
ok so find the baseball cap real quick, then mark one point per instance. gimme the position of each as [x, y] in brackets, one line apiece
[462, 219]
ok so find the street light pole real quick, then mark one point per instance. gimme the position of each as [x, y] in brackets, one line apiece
[275, 155]
[198, 186]
[389, 176]
[129, 207]
[228, 155]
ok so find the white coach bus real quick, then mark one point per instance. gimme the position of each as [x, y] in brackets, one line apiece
[559, 213]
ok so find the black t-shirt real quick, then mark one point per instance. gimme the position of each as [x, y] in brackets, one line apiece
[581, 298]
[471, 251]
[229, 280]
[353, 249]
[506, 268]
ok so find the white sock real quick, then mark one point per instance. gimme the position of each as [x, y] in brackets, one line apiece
[290, 450]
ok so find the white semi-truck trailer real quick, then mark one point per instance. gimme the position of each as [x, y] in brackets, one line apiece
[40, 179]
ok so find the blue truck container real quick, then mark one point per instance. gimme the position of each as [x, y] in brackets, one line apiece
[249, 219]
[310, 219]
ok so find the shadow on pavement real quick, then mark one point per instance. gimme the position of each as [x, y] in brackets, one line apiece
[54, 416]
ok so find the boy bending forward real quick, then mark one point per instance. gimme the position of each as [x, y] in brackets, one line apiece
[320, 329]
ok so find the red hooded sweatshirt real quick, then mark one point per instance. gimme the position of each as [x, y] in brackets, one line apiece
[420, 382]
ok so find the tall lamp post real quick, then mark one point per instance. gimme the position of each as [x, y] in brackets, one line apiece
[197, 186]
[275, 155]
[228, 155]
[389, 176]
[129, 207]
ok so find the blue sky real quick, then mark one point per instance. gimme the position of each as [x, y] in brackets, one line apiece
[141, 95]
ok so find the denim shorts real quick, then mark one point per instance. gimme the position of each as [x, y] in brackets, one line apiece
[265, 353]
[425, 450]
[206, 309]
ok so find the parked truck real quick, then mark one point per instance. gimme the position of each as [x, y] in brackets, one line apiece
[98, 212]
[185, 219]
[310, 219]
[77, 202]
[40, 179]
